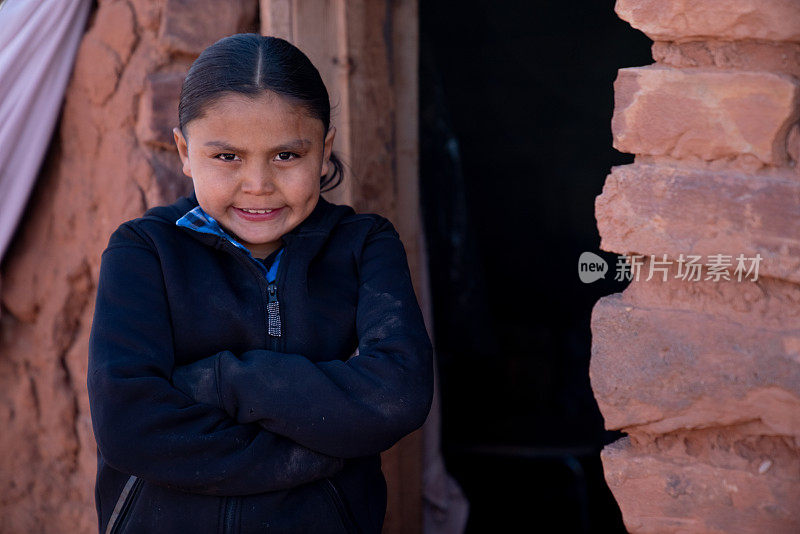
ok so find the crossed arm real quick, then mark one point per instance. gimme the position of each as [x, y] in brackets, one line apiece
[343, 409]
[312, 414]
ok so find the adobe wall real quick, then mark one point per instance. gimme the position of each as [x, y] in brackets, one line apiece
[704, 376]
[111, 158]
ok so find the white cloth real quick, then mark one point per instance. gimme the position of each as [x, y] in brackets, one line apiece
[38, 43]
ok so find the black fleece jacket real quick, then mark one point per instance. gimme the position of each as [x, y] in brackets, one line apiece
[265, 433]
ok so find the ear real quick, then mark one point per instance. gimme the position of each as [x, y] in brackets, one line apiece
[326, 151]
[183, 150]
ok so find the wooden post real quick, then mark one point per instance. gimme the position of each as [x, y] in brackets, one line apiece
[367, 54]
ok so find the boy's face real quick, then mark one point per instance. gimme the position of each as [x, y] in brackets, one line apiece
[256, 153]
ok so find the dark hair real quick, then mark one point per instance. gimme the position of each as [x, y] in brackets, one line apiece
[250, 64]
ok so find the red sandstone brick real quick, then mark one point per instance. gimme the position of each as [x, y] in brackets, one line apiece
[674, 490]
[114, 26]
[673, 20]
[97, 69]
[741, 55]
[189, 26]
[170, 182]
[769, 303]
[158, 109]
[709, 115]
[659, 209]
[659, 370]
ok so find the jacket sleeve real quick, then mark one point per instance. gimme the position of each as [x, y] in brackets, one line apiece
[345, 409]
[146, 427]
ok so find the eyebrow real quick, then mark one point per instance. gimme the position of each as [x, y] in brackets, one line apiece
[294, 144]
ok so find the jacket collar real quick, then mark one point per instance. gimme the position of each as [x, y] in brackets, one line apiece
[312, 231]
[198, 220]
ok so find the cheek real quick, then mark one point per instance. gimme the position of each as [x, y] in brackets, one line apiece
[312, 196]
[302, 184]
[212, 187]
[213, 176]
[303, 197]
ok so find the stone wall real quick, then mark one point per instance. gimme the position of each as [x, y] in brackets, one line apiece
[704, 376]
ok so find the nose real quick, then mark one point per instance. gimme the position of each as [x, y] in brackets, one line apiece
[258, 179]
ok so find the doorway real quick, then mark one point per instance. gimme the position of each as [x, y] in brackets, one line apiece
[516, 100]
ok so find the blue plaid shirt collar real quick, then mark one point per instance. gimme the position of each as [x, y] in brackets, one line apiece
[198, 220]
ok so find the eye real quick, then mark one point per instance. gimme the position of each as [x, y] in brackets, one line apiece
[287, 156]
[226, 156]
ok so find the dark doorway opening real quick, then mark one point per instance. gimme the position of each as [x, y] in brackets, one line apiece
[516, 101]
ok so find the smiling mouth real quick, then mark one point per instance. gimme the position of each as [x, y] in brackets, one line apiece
[258, 214]
[248, 210]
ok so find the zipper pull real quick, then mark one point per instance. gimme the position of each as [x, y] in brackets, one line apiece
[273, 311]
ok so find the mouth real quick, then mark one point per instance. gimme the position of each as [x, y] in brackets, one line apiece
[258, 210]
[257, 214]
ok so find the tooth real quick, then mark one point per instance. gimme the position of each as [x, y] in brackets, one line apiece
[257, 211]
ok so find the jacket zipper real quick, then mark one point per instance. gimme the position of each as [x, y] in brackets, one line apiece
[231, 513]
[273, 311]
[275, 327]
[341, 509]
[123, 506]
[274, 323]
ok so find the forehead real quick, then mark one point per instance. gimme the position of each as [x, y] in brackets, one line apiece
[256, 118]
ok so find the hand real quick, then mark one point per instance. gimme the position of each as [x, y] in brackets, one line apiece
[198, 380]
